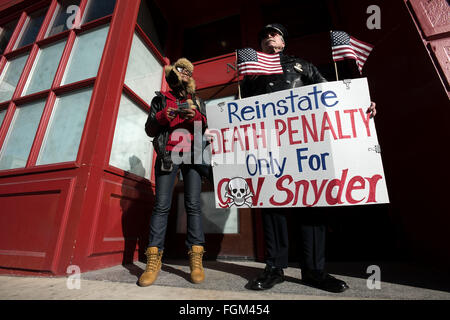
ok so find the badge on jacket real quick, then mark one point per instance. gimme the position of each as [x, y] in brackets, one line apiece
[298, 67]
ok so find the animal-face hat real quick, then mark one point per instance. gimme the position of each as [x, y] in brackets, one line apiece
[173, 76]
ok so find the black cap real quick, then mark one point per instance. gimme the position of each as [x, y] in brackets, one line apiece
[273, 26]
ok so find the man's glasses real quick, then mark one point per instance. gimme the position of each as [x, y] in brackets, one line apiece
[184, 71]
[272, 34]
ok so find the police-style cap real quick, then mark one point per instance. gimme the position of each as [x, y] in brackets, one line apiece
[271, 27]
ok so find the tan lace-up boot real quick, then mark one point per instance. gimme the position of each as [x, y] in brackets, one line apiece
[195, 262]
[153, 266]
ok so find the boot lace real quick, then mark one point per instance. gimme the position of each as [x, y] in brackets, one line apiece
[196, 259]
[152, 262]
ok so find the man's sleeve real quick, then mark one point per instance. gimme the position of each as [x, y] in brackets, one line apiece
[314, 74]
[246, 88]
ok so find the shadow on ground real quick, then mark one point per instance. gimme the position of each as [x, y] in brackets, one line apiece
[405, 274]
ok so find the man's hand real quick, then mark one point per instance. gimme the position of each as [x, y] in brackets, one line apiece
[209, 136]
[372, 109]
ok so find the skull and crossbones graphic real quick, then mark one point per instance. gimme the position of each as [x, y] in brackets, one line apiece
[238, 193]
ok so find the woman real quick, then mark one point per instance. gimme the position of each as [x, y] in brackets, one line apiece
[173, 115]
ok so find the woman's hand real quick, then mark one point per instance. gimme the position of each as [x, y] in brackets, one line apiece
[171, 113]
[187, 114]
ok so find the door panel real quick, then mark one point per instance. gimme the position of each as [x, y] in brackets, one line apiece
[433, 15]
[441, 50]
[433, 18]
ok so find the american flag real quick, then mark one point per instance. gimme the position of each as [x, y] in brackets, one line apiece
[250, 61]
[344, 46]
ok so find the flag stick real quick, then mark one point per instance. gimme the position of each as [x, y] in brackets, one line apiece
[335, 65]
[335, 68]
[237, 71]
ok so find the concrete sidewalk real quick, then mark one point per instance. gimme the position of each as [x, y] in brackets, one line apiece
[228, 280]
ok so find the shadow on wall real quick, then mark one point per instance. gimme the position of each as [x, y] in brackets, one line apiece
[213, 223]
[136, 203]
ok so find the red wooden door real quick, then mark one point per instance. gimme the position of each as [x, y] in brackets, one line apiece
[67, 197]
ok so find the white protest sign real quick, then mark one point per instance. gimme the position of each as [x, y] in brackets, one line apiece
[308, 146]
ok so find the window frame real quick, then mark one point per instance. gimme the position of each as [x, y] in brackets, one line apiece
[140, 103]
[56, 89]
[164, 61]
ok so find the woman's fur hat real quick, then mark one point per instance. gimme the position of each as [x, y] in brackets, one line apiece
[173, 77]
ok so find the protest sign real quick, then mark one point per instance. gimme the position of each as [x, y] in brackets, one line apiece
[302, 147]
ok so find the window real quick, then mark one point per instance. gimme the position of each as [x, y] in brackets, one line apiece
[132, 149]
[2, 116]
[144, 71]
[63, 118]
[62, 139]
[44, 68]
[96, 9]
[212, 39]
[64, 16]
[6, 32]
[317, 20]
[86, 55]
[10, 77]
[31, 28]
[20, 137]
[153, 23]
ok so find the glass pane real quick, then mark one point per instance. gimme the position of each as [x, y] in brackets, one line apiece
[144, 71]
[44, 68]
[20, 136]
[96, 9]
[221, 221]
[65, 128]
[132, 149]
[31, 28]
[86, 55]
[2, 116]
[10, 77]
[64, 16]
[154, 24]
[6, 32]
[220, 38]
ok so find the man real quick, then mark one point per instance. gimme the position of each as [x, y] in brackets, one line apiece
[296, 73]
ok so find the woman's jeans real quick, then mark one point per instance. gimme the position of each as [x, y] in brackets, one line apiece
[163, 202]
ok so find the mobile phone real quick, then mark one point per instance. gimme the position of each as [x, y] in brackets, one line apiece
[183, 106]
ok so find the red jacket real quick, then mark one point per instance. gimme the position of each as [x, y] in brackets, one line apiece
[179, 139]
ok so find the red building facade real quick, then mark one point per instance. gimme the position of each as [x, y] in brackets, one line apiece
[76, 81]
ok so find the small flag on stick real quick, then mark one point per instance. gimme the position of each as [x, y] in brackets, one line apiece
[344, 46]
[252, 62]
